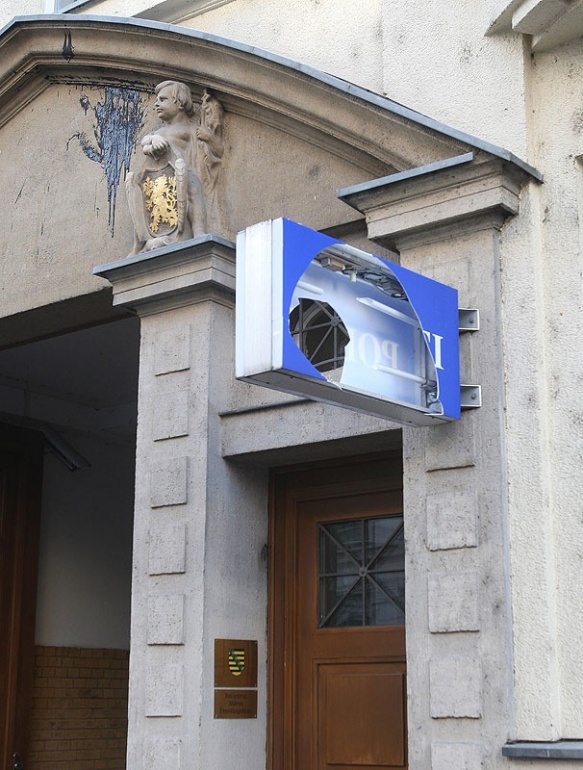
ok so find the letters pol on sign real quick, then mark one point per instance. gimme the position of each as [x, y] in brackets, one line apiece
[321, 319]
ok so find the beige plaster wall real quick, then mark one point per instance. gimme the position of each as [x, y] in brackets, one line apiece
[326, 34]
[160, 10]
[543, 293]
[441, 64]
[272, 175]
[12, 8]
[114, 8]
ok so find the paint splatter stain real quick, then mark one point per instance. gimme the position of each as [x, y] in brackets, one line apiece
[118, 120]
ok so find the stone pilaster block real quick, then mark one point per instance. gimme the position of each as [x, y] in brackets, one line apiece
[451, 446]
[164, 691]
[167, 552]
[455, 687]
[170, 416]
[454, 602]
[169, 482]
[452, 520]
[172, 350]
[162, 754]
[166, 619]
[456, 756]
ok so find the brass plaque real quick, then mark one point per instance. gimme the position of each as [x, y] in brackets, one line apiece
[235, 704]
[235, 663]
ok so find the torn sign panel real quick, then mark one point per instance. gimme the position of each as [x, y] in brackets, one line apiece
[319, 318]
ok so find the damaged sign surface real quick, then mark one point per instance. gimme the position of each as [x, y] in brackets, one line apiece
[321, 319]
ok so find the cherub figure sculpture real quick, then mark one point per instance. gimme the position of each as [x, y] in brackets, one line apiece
[166, 196]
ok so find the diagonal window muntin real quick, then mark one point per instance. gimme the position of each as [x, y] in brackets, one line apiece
[361, 577]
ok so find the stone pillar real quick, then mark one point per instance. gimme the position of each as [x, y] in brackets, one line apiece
[195, 576]
[445, 223]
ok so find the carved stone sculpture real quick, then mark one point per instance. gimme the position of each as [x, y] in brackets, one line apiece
[170, 195]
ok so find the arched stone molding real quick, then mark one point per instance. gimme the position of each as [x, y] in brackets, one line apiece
[347, 121]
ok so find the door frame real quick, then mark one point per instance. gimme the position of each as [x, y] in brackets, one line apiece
[288, 486]
[26, 447]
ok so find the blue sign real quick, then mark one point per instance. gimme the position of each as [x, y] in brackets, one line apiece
[322, 319]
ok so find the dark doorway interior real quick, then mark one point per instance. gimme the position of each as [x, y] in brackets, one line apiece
[77, 394]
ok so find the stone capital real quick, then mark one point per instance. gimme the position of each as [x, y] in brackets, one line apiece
[174, 276]
[431, 202]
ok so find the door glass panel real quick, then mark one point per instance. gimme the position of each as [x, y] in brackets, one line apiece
[361, 572]
[380, 533]
[385, 604]
[390, 557]
[342, 554]
[347, 610]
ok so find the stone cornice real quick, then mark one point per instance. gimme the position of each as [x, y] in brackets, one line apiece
[424, 204]
[547, 23]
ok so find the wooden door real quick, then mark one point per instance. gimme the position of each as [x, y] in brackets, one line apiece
[338, 696]
[20, 494]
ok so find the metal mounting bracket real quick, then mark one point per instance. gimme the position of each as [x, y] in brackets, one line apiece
[470, 397]
[469, 319]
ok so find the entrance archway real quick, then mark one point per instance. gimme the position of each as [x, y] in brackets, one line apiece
[65, 665]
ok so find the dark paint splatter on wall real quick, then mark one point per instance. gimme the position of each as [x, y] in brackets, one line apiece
[119, 118]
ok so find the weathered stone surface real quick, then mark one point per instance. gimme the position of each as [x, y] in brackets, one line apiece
[461, 756]
[169, 478]
[162, 754]
[454, 602]
[164, 690]
[172, 350]
[167, 549]
[452, 520]
[166, 619]
[451, 446]
[464, 699]
[170, 419]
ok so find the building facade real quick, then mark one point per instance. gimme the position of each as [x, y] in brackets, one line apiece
[253, 579]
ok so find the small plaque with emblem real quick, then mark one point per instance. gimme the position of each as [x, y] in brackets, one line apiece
[235, 663]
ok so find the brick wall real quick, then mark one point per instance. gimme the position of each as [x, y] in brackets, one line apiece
[79, 709]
